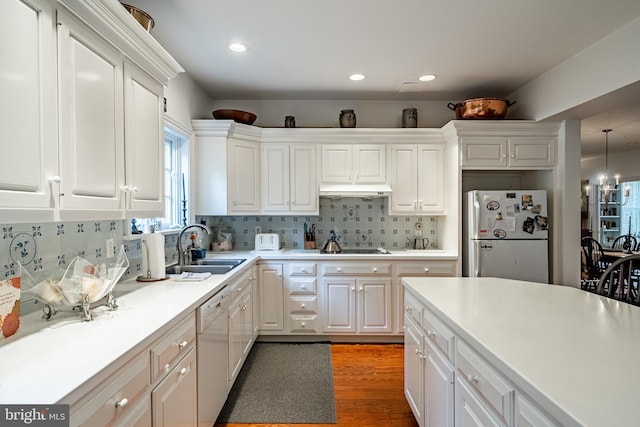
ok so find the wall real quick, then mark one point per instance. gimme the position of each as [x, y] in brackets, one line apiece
[186, 100]
[357, 222]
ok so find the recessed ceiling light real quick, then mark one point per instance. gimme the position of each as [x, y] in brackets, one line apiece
[357, 77]
[427, 77]
[237, 47]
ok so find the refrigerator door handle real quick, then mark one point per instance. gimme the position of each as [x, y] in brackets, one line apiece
[476, 214]
[477, 272]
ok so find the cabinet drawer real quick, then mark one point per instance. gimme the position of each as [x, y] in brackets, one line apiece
[427, 268]
[304, 324]
[172, 347]
[528, 416]
[413, 308]
[303, 305]
[485, 381]
[302, 285]
[302, 269]
[439, 334]
[383, 268]
[118, 397]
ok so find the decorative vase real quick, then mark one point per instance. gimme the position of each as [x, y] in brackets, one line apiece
[289, 122]
[410, 118]
[347, 119]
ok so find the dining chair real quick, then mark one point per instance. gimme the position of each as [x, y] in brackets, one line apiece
[620, 280]
[593, 264]
[625, 243]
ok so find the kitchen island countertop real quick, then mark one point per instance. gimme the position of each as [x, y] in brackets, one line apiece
[573, 352]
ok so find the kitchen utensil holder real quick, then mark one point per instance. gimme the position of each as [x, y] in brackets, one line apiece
[309, 244]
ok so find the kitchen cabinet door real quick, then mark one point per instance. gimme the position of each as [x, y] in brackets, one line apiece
[469, 412]
[28, 110]
[303, 179]
[91, 121]
[174, 400]
[374, 305]
[144, 143]
[484, 151]
[438, 389]
[339, 304]
[417, 177]
[353, 163]
[275, 178]
[271, 297]
[414, 369]
[243, 177]
[531, 151]
[431, 177]
[527, 152]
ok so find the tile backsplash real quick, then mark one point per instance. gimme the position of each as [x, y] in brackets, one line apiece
[43, 248]
[356, 222]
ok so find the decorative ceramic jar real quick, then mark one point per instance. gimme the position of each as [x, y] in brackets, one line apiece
[410, 118]
[347, 119]
[289, 122]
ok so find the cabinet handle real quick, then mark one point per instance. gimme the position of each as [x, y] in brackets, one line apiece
[426, 269]
[183, 371]
[166, 367]
[303, 270]
[375, 269]
[125, 188]
[504, 156]
[303, 287]
[122, 402]
[303, 324]
[360, 289]
[431, 334]
[513, 156]
[55, 179]
[419, 354]
[472, 379]
[353, 289]
[135, 189]
[302, 306]
[182, 345]
[409, 310]
[339, 269]
[234, 203]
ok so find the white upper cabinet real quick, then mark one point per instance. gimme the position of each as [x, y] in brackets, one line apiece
[144, 146]
[73, 75]
[507, 152]
[289, 179]
[28, 110]
[353, 163]
[244, 177]
[91, 121]
[417, 176]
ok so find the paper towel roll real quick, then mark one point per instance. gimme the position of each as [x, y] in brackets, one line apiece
[153, 256]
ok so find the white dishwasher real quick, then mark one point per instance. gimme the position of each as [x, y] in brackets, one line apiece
[212, 357]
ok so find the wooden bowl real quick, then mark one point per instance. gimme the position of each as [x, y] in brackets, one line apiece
[237, 116]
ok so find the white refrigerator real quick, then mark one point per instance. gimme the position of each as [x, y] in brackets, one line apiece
[507, 235]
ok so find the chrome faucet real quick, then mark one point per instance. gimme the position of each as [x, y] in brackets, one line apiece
[182, 253]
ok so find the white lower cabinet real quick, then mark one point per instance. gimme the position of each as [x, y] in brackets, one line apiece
[527, 415]
[272, 298]
[241, 336]
[357, 305]
[469, 411]
[414, 369]
[438, 389]
[174, 400]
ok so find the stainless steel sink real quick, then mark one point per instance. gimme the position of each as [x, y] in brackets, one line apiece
[213, 266]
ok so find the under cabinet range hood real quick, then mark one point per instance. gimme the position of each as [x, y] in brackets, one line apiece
[363, 191]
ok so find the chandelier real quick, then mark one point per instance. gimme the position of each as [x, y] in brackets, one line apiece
[609, 187]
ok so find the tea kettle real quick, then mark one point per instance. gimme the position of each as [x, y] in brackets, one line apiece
[331, 246]
[419, 243]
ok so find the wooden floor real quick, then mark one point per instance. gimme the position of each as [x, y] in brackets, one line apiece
[368, 384]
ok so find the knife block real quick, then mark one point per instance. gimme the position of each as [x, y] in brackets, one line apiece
[309, 244]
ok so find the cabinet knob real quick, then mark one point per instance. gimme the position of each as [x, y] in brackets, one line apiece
[426, 269]
[55, 179]
[135, 189]
[360, 289]
[353, 289]
[183, 344]
[472, 378]
[234, 203]
[375, 269]
[303, 270]
[339, 269]
[166, 367]
[504, 156]
[513, 156]
[122, 402]
[303, 324]
[431, 334]
[303, 287]
[183, 371]
[409, 310]
[125, 188]
[302, 306]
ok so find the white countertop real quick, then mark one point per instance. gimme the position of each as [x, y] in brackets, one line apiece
[45, 361]
[562, 346]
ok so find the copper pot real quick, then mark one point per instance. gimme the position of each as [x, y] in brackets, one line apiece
[481, 108]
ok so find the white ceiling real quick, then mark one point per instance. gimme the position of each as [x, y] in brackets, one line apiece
[305, 50]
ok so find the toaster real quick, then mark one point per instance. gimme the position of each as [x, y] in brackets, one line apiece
[267, 242]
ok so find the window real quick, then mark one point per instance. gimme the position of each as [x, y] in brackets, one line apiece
[176, 183]
[631, 210]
